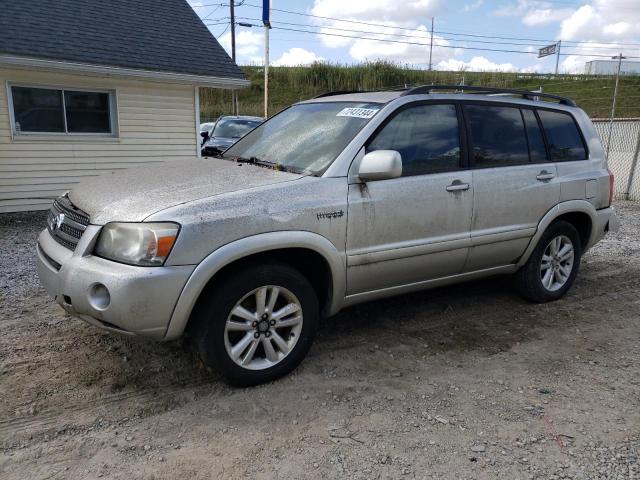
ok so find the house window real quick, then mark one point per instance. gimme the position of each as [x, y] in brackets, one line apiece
[62, 111]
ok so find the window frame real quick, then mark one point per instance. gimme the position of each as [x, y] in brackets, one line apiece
[546, 140]
[463, 162]
[518, 107]
[542, 134]
[114, 124]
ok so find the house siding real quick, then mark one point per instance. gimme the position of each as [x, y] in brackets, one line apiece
[156, 123]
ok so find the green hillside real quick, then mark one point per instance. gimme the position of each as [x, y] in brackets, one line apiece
[291, 84]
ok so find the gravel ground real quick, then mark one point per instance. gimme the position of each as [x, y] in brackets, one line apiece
[461, 382]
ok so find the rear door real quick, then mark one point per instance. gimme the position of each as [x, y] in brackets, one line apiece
[414, 228]
[514, 182]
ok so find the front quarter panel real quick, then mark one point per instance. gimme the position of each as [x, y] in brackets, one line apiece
[231, 252]
[312, 204]
[307, 213]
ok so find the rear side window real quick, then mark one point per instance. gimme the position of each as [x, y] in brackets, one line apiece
[497, 136]
[563, 137]
[427, 137]
[537, 152]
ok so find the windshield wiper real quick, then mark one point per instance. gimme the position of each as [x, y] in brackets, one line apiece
[265, 163]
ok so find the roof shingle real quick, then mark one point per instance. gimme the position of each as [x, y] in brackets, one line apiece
[155, 35]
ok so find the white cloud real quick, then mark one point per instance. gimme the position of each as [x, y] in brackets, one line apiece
[469, 7]
[362, 50]
[388, 16]
[599, 26]
[297, 56]
[376, 10]
[603, 20]
[544, 16]
[476, 64]
[248, 44]
[535, 12]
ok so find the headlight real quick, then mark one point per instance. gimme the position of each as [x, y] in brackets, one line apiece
[147, 244]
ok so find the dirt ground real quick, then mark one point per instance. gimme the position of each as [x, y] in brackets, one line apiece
[461, 382]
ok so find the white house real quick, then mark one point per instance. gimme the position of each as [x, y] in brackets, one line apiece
[89, 87]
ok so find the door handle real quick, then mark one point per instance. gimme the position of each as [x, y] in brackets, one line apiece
[457, 186]
[543, 176]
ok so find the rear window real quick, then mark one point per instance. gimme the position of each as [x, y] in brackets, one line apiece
[563, 136]
[497, 135]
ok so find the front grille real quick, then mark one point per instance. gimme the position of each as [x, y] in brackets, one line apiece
[66, 223]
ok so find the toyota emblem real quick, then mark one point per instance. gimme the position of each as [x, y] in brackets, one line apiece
[56, 222]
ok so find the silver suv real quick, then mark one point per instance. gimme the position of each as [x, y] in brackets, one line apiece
[334, 201]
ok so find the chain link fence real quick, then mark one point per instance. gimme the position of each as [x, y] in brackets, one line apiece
[624, 155]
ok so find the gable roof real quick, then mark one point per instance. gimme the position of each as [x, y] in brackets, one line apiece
[153, 35]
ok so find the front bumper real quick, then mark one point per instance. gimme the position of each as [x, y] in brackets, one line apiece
[140, 299]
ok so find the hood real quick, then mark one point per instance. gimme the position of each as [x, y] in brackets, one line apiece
[132, 195]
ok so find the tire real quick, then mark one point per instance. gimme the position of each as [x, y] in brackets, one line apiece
[534, 283]
[221, 332]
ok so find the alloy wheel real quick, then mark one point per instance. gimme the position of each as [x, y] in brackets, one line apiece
[263, 327]
[557, 263]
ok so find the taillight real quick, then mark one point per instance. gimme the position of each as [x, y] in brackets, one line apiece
[610, 187]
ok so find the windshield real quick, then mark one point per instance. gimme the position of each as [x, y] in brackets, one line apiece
[234, 127]
[306, 137]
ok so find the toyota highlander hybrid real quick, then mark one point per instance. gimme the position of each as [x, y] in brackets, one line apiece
[337, 200]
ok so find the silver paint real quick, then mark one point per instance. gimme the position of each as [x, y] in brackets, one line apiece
[394, 236]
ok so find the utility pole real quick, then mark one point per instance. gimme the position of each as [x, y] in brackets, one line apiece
[234, 93]
[431, 46]
[613, 104]
[266, 21]
[558, 55]
[266, 71]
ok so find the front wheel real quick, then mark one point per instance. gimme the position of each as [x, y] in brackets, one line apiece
[553, 265]
[258, 324]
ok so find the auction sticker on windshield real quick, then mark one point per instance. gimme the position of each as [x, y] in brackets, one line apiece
[357, 112]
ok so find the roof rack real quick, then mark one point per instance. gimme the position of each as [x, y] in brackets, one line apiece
[340, 92]
[526, 94]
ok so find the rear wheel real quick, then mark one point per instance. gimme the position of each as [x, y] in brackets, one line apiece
[258, 324]
[553, 265]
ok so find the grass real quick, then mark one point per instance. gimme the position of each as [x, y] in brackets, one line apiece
[288, 85]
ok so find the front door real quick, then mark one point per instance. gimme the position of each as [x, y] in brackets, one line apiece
[413, 228]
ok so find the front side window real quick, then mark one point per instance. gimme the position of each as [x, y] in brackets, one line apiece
[50, 110]
[307, 137]
[497, 135]
[563, 137]
[426, 136]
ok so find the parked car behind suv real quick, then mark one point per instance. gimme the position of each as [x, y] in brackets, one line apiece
[334, 201]
[225, 132]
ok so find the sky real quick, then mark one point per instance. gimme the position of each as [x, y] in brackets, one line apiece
[595, 29]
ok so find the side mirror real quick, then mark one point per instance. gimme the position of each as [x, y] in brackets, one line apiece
[204, 134]
[380, 165]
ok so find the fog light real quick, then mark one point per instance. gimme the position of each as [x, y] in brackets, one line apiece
[99, 296]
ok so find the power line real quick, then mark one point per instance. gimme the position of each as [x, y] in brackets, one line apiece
[224, 31]
[420, 30]
[426, 44]
[426, 37]
[596, 44]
